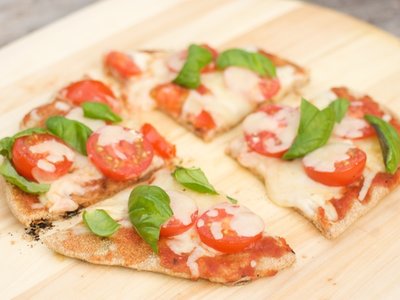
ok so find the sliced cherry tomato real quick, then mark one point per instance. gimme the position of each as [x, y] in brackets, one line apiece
[269, 87]
[345, 171]
[229, 228]
[204, 121]
[121, 64]
[203, 90]
[276, 141]
[160, 145]
[170, 97]
[119, 153]
[41, 157]
[90, 90]
[185, 214]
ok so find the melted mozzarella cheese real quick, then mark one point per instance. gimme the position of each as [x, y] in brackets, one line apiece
[58, 198]
[260, 121]
[182, 206]
[61, 105]
[225, 106]
[141, 59]
[323, 159]
[216, 230]
[243, 82]
[350, 127]
[286, 182]
[111, 134]
[247, 224]
[184, 242]
[44, 165]
[286, 75]
[56, 151]
[324, 99]
[76, 114]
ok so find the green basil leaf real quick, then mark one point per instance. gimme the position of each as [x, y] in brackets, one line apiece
[232, 200]
[389, 141]
[314, 130]
[340, 106]
[7, 143]
[100, 222]
[194, 179]
[99, 111]
[253, 61]
[74, 133]
[189, 76]
[11, 175]
[148, 209]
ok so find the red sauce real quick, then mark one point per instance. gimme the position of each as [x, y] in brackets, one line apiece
[230, 267]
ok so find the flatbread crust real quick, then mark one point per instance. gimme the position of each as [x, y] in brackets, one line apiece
[382, 185]
[125, 248]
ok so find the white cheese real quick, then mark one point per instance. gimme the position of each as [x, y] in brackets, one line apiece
[243, 82]
[183, 243]
[247, 224]
[387, 117]
[61, 105]
[56, 151]
[216, 230]
[58, 198]
[286, 75]
[141, 59]
[324, 99]
[368, 178]
[109, 135]
[286, 182]
[323, 159]
[253, 263]
[350, 127]
[182, 206]
[76, 114]
[44, 165]
[284, 124]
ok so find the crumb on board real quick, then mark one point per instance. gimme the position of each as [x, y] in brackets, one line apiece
[36, 228]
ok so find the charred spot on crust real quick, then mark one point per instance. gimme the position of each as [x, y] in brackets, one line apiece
[70, 214]
[37, 227]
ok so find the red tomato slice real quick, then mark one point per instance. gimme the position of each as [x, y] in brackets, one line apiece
[268, 142]
[90, 90]
[345, 171]
[185, 214]
[269, 87]
[359, 107]
[204, 121]
[170, 97]
[33, 161]
[119, 153]
[203, 90]
[160, 145]
[229, 228]
[121, 64]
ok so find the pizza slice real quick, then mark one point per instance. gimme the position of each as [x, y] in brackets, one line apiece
[205, 91]
[175, 224]
[74, 152]
[331, 162]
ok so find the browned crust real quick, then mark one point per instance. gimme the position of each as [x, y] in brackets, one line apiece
[20, 203]
[125, 248]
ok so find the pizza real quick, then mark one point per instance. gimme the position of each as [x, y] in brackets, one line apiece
[204, 90]
[331, 160]
[73, 153]
[178, 225]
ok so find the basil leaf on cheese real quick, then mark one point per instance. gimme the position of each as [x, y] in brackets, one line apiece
[99, 111]
[11, 175]
[340, 106]
[194, 179]
[74, 133]
[189, 76]
[232, 200]
[149, 208]
[100, 222]
[389, 141]
[314, 130]
[7, 143]
[253, 61]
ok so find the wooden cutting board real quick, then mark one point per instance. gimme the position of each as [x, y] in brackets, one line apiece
[364, 263]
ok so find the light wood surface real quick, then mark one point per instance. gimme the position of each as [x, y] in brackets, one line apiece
[362, 264]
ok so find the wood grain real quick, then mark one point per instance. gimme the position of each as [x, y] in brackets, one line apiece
[362, 264]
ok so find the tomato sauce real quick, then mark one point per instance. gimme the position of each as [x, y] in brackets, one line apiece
[230, 267]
